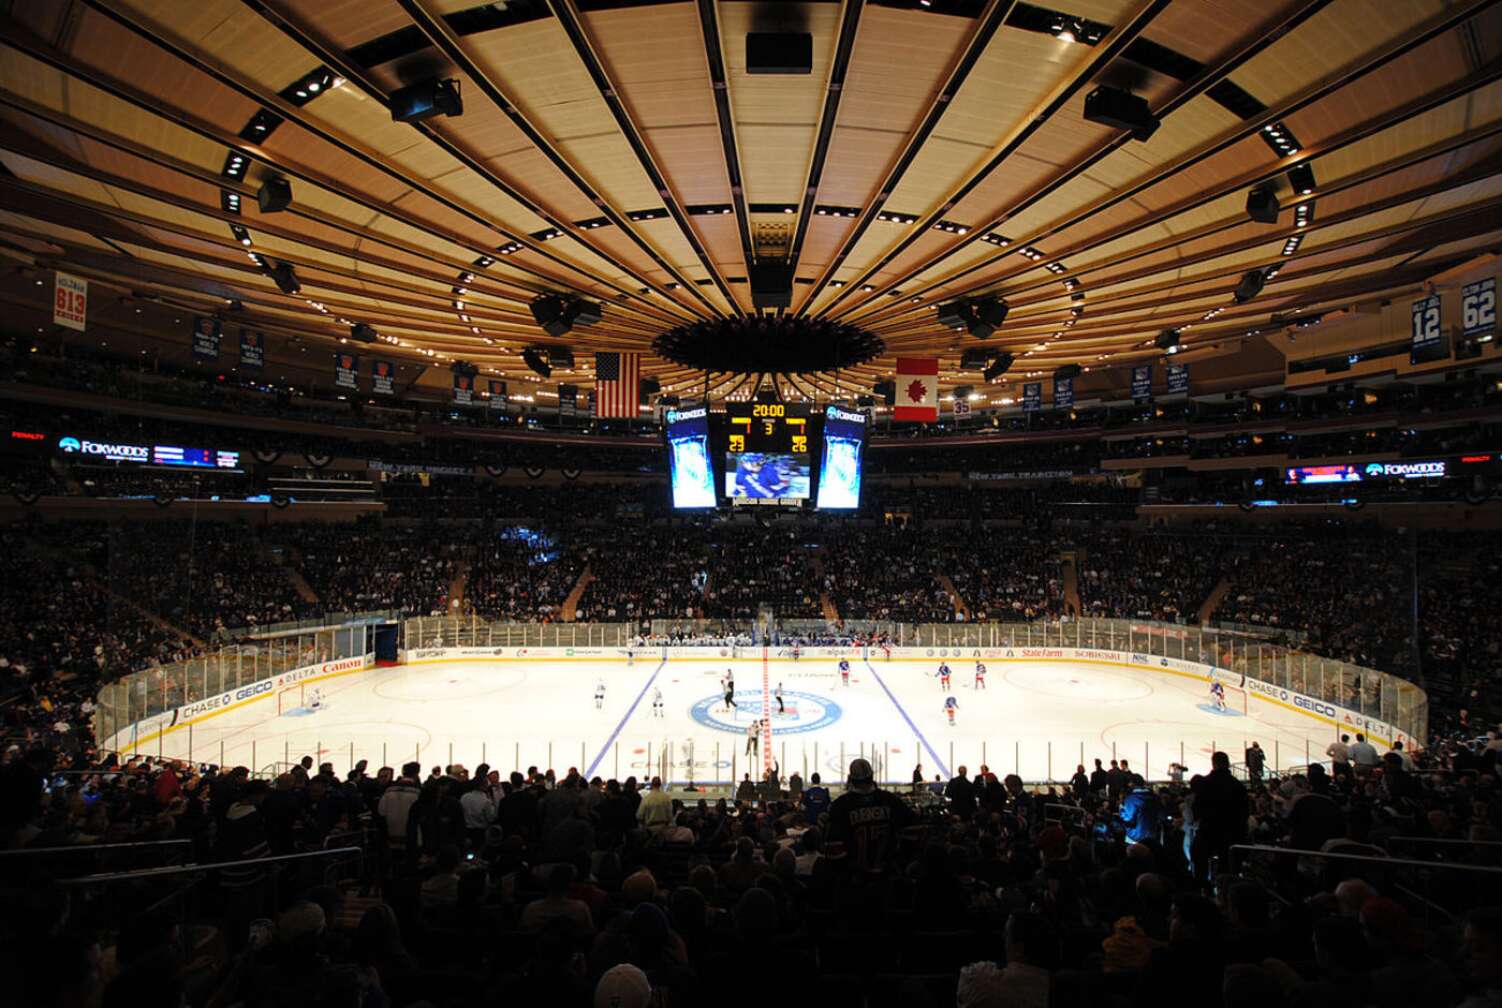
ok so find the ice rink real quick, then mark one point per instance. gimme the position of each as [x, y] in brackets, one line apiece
[1036, 718]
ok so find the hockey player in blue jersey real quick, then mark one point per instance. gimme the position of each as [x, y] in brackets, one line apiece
[980, 675]
[1218, 694]
[845, 671]
[944, 676]
[950, 706]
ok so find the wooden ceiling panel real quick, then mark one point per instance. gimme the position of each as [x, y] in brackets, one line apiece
[385, 217]
[1336, 35]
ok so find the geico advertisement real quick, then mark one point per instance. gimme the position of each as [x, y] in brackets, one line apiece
[252, 691]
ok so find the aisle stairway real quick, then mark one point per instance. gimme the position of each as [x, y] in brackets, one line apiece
[1217, 595]
[458, 585]
[954, 594]
[1070, 562]
[570, 607]
[299, 583]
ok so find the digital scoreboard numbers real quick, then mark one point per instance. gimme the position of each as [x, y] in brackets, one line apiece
[768, 427]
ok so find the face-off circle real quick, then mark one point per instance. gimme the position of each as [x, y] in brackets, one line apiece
[803, 712]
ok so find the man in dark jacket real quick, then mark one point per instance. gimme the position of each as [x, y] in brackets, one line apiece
[1220, 810]
[961, 795]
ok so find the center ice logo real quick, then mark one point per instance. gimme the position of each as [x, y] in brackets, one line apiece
[803, 712]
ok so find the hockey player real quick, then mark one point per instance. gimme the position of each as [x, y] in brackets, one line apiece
[944, 676]
[796, 651]
[315, 697]
[1218, 694]
[950, 706]
[980, 675]
[753, 735]
[599, 694]
[728, 684]
[777, 695]
[845, 671]
[657, 701]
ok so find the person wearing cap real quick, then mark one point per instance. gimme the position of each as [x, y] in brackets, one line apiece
[866, 819]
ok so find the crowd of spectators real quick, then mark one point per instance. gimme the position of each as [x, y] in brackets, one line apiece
[1147, 575]
[520, 574]
[367, 567]
[748, 565]
[535, 886]
[885, 573]
[1007, 579]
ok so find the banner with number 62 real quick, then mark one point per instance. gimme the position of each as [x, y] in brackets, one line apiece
[1478, 307]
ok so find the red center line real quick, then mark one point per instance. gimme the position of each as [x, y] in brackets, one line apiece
[766, 711]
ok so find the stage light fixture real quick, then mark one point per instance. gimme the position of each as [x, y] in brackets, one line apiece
[274, 195]
[1121, 109]
[426, 99]
[362, 332]
[1250, 286]
[536, 360]
[1301, 178]
[1262, 205]
[1167, 340]
[998, 367]
[285, 277]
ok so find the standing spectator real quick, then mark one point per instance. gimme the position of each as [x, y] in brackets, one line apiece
[1340, 758]
[1220, 812]
[655, 813]
[867, 819]
[961, 795]
[815, 800]
[396, 803]
[1255, 761]
[479, 811]
[1363, 756]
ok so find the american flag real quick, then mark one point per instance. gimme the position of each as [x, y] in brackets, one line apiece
[617, 384]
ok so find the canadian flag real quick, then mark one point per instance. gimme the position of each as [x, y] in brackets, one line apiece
[917, 389]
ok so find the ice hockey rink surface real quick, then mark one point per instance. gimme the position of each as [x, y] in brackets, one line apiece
[1038, 719]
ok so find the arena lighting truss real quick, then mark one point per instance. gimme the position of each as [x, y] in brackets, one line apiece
[768, 345]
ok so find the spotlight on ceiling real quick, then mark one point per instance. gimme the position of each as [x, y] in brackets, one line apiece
[274, 195]
[1262, 205]
[426, 99]
[362, 332]
[1249, 287]
[464, 368]
[1167, 341]
[1067, 371]
[285, 277]
[1301, 178]
[536, 360]
[962, 392]
[998, 367]
[561, 357]
[887, 390]
[1120, 109]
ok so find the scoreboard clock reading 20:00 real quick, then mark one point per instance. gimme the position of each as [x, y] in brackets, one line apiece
[780, 428]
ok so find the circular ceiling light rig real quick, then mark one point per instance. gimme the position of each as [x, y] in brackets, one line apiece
[768, 345]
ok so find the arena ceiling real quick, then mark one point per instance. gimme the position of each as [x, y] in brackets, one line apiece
[619, 150]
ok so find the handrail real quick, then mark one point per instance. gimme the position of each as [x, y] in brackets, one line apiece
[145, 873]
[92, 848]
[1365, 858]
[1444, 840]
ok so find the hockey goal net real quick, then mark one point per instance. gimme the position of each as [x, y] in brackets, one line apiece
[291, 698]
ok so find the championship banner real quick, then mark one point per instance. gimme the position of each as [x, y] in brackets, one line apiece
[70, 301]
[1032, 397]
[497, 396]
[383, 377]
[206, 332]
[568, 400]
[1178, 377]
[1063, 393]
[252, 348]
[346, 370]
[464, 389]
[917, 389]
[1142, 381]
[1478, 308]
[961, 407]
